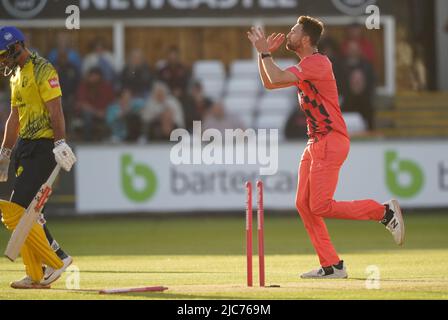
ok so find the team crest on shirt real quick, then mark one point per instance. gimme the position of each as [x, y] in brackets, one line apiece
[54, 83]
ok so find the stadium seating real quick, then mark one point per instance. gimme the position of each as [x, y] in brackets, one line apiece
[213, 88]
[271, 104]
[290, 92]
[415, 114]
[243, 87]
[240, 105]
[285, 63]
[244, 69]
[243, 95]
[209, 69]
[273, 121]
[247, 119]
[355, 123]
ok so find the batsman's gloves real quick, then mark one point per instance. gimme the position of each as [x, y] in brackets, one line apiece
[64, 155]
[5, 159]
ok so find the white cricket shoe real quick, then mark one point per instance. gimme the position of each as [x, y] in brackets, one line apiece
[393, 220]
[334, 272]
[28, 283]
[51, 275]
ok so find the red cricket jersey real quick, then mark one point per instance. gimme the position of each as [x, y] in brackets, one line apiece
[318, 96]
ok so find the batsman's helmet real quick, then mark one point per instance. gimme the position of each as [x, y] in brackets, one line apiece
[9, 37]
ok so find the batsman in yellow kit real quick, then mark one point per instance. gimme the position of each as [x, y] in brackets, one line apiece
[36, 129]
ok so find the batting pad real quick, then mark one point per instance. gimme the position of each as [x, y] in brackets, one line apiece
[11, 214]
[33, 266]
[36, 242]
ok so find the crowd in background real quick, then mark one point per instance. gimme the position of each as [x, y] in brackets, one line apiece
[143, 104]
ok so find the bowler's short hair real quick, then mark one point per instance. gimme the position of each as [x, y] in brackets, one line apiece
[313, 28]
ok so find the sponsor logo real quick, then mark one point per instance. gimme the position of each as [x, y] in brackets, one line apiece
[24, 9]
[8, 36]
[353, 7]
[404, 177]
[103, 5]
[54, 83]
[138, 180]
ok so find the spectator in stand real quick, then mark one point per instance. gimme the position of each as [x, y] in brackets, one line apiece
[161, 127]
[29, 42]
[295, 128]
[195, 105]
[123, 117]
[329, 47]
[63, 45]
[94, 95]
[174, 73]
[159, 101]
[137, 75]
[69, 78]
[217, 118]
[100, 57]
[360, 84]
[355, 34]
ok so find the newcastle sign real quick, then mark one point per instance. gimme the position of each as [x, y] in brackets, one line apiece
[124, 9]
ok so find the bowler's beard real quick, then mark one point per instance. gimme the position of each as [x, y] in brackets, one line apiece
[291, 47]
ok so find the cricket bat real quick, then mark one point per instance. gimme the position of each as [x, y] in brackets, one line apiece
[30, 216]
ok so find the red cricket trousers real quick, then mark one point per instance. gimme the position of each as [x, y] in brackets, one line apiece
[318, 178]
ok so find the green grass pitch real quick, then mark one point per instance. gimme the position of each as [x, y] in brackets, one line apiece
[204, 258]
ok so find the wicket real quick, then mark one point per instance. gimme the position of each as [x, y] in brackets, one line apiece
[249, 225]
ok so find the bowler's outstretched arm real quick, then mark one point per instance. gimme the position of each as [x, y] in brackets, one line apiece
[265, 79]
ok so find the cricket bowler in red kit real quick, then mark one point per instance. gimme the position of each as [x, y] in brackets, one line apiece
[328, 143]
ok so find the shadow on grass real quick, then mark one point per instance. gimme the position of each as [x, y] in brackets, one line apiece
[225, 236]
[177, 296]
[137, 272]
[163, 296]
[414, 280]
